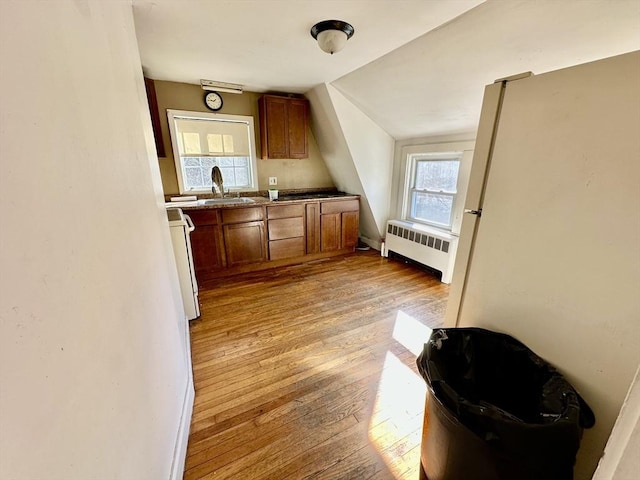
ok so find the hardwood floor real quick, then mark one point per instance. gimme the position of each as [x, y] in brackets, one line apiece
[308, 372]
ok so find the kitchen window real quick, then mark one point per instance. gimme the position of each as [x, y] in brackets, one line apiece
[203, 140]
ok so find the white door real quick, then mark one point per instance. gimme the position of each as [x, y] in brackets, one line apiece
[555, 256]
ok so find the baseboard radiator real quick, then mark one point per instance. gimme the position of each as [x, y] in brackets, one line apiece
[428, 246]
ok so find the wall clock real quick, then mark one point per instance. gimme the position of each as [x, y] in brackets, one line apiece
[213, 101]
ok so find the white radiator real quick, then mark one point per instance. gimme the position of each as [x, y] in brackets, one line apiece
[425, 245]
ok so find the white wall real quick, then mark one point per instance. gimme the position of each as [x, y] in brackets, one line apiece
[92, 367]
[358, 154]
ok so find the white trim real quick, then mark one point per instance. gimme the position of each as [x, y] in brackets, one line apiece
[620, 457]
[451, 148]
[182, 437]
[375, 244]
[248, 119]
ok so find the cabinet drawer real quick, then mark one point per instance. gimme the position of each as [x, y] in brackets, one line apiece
[291, 247]
[238, 215]
[285, 211]
[286, 228]
[340, 206]
[203, 217]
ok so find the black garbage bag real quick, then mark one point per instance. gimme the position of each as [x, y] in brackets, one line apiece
[496, 411]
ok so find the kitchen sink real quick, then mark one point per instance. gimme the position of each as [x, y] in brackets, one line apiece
[225, 201]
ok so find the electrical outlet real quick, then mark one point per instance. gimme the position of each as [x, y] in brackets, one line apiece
[273, 180]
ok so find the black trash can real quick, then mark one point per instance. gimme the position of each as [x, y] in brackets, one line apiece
[496, 411]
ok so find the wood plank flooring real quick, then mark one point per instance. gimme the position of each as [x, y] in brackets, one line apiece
[308, 372]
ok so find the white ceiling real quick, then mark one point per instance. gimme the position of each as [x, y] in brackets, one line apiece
[416, 67]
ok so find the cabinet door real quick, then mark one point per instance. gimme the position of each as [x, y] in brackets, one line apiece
[313, 227]
[298, 121]
[244, 243]
[274, 129]
[205, 247]
[284, 126]
[206, 244]
[330, 232]
[350, 229]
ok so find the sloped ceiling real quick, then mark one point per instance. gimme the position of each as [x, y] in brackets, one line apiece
[416, 67]
[434, 84]
[266, 45]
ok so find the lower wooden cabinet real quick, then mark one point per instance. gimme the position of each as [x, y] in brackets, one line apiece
[244, 243]
[234, 240]
[312, 213]
[350, 225]
[286, 231]
[286, 248]
[244, 236]
[339, 225]
[206, 244]
[330, 232]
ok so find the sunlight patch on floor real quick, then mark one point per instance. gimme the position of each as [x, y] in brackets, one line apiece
[411, 333]
[395, 428]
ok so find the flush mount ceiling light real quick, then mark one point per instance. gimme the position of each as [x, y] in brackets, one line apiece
[332, 35]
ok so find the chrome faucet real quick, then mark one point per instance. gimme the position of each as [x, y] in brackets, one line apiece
[217, 182]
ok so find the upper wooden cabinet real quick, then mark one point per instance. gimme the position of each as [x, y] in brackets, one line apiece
[150, 86]
[284, 126]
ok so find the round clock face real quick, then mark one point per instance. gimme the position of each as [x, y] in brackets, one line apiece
[213, 101]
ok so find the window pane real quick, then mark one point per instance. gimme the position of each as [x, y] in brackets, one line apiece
[438, 175]
[228, 176]
[228, 143]
[193, 177]
[242, 177]
[191, 142]
[214, 141]
[432, 207]
[197, 171]
[191, 161]
[207, 162]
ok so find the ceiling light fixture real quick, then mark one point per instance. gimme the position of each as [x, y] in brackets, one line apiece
[225, 87]
[332, 35]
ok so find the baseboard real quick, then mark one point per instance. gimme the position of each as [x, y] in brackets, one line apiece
[182, 439]
[372, 243]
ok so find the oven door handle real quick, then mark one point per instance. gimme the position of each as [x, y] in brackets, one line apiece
[192, 227]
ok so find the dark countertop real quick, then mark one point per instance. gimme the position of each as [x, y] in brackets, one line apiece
[312, 196]
[286, 198]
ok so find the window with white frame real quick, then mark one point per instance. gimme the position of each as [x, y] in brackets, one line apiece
[203, 140]
[432, 191]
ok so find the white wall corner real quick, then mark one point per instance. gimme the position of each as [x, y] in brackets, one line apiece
[357, 152]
